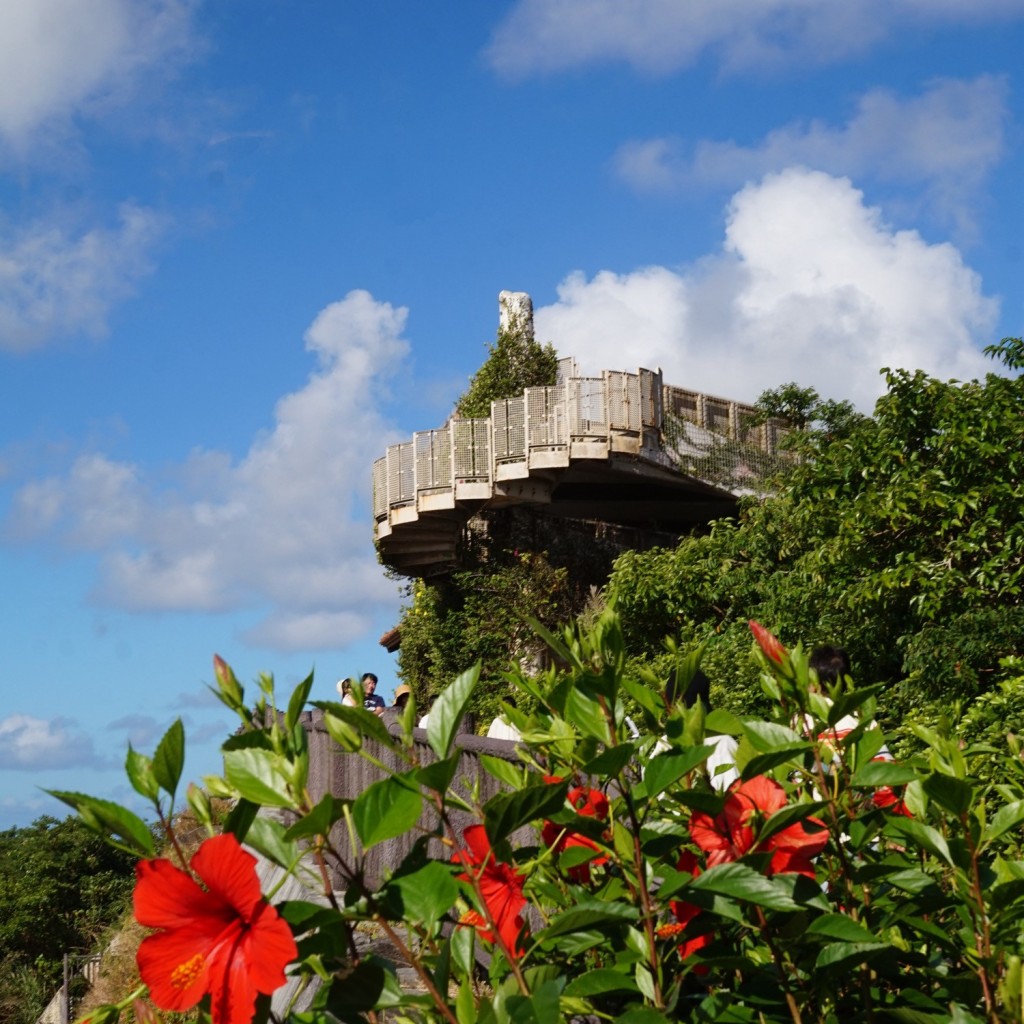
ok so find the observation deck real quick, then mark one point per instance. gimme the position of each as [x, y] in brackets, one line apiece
[622, 448]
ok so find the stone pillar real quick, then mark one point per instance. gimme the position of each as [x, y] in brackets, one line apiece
[517, 308]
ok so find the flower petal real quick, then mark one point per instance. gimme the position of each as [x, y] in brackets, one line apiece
[167, 897]
[175, 966]
[230, 873]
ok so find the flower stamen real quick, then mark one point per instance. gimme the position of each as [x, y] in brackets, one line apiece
[185, 974]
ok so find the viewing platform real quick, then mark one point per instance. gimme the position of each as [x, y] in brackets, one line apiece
[622, 448]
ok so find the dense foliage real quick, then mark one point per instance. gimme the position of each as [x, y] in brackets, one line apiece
[515, 361]
[902, 540]
[611, 877]
[61, 887]
[479, 615]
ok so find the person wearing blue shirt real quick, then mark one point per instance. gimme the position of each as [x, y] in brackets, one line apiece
[371, 701]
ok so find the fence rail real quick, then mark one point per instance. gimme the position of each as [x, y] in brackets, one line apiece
[577, 418]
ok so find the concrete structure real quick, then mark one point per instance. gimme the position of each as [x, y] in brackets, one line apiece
[622, 448]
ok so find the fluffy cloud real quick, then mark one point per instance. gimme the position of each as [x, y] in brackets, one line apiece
[661, 36]
[35, 744]
[810, 285]
[285, 528]
[56, 282]
[949, 138]
[59, 58]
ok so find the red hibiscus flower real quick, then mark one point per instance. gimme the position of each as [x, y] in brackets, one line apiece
[225, 940]
[886, 798]
[731, 833]
[588, 803]
[768, 643]
[684, 913]
[501, 888]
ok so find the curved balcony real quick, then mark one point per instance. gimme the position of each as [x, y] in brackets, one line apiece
[620, 448]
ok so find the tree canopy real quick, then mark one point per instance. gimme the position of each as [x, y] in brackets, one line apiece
[515, 361]
[61, 887]
[902, 540]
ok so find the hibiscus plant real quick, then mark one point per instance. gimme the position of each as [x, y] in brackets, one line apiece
[611, 878]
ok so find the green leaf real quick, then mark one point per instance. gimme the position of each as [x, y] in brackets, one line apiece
[356, 990]
[425, 895]
[139, 769]
[465, 1006]
[506, 812]
[438, 776]
[240, 818]
[585, 915]
[882, 773]
[641, 1015]
[925, 836]
[762, 763]
[610, 762]
[540, 1007]
[768, 737]
[1008, 816]
[585, 712]
[841, 927]
[169, 758]
[502, 770]
[363, 722]
[269, 838]
[786, 816]
[851, 953]
[260, 776]
[448, 709]
[949, 792]
[723, 722]
[297, 702]
[319, 820]
[664, 769]
[847, 703]
[554, 643]
[117, 824]
[386, 809]
[742, 882]
[598, 982]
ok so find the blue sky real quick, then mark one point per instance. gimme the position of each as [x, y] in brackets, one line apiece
[246, 245]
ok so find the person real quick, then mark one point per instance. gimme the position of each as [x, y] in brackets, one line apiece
[721, 762]
[402, 695]
[345, 691]
[371, 701]
[501, 728]
[831, 665]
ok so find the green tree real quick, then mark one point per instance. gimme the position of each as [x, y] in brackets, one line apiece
[899, 540]
[61, 887]
[516, 361]
[805, 410]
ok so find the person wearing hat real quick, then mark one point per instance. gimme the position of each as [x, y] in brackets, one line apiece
[402, 695]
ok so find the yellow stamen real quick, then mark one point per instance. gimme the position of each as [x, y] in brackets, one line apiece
[185, 974]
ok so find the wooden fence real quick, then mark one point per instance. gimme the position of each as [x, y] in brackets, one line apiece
[345, 775]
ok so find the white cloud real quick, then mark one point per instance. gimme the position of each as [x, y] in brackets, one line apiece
[810, 285]
[62, 58]
[286, 529]
[662, 36]
[54, 282]
[30, 743]
[948, 138]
